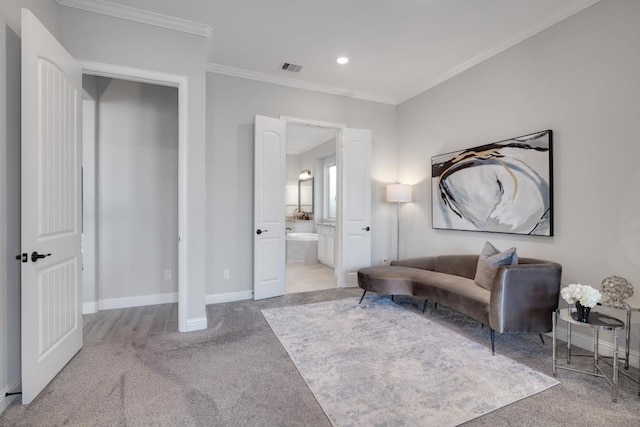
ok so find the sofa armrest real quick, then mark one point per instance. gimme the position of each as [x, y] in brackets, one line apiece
[523, 297]
[423, 263]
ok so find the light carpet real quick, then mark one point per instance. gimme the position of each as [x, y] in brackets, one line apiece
[378, 364]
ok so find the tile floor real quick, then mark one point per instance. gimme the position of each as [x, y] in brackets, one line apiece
[309, 277]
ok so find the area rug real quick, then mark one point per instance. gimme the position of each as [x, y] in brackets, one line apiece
[379, 364]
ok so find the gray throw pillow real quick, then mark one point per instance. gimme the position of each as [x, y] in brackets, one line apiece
[489, 262]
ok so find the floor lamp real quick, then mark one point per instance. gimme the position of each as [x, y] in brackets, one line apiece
[398, 193]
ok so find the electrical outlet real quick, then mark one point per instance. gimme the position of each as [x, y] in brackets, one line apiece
[385, 261]
[167, 275]
[226, 274]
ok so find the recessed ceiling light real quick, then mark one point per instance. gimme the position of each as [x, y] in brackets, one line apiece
[342, 60]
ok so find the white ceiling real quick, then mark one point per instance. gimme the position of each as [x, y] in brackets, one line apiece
[301, 137]
[397, 48]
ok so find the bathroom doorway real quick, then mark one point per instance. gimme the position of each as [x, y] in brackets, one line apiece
[311, 206]
[353, 204]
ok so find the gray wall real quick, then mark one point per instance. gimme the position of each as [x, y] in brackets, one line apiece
[579, 78]
[293, 169]
[94, 37]
[137, 189]
[232, 104]
[10, 46]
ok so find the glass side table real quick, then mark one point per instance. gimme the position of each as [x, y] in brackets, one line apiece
[596, 322]
[627, 342]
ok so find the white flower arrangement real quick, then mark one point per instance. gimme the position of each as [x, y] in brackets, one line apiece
[585, 295]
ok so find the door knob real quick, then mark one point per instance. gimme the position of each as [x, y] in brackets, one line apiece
[261, 231]
[35, 256]
[367, 228]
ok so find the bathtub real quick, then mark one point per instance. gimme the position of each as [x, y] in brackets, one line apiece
[302, 247]
[303, 237]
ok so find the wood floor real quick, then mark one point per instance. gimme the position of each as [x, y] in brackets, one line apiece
[130, 323]
[139, 322]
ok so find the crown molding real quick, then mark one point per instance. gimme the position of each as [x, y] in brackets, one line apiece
[295, 83]
[108, 8]
[520, 36]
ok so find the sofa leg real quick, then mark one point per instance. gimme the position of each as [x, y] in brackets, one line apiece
[541, 339]
[435, 305]
[424, 307]
[362, 297]
[493, 342]
[391, 297]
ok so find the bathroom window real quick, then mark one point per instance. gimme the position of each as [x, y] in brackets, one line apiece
[330, 191]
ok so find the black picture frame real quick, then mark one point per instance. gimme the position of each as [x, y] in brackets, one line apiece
[501, 187]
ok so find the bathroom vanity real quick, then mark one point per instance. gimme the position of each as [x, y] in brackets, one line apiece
[327, 243]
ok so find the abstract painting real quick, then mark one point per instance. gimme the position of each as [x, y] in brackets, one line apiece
[502, 187]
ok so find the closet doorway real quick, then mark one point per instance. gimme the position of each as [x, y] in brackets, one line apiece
[133, 195]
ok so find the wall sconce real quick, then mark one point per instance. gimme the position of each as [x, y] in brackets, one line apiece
[398, 193]
[305, 174]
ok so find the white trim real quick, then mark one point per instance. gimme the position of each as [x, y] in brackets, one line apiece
[303, 121]
[525, 33]
[5, 401]
[229, 297]
[181, 82]
[196, 324]
[585, 341]
[90, 307]
[110, 304]
[132, 74]
[295, 83]
[115, 10]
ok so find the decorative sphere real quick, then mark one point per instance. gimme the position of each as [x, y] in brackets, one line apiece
[616, 289]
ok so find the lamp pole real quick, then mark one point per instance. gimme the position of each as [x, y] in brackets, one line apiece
[398, 230]
[398, 193]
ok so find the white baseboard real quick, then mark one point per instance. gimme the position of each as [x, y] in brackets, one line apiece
[110, 304]
[7, 400]
[228, 297]
[196, 324]
[89, 307]
[585, 341]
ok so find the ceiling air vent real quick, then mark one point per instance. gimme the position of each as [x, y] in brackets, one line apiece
[287, 66]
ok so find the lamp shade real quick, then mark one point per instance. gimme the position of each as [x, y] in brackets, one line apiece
[398, 193]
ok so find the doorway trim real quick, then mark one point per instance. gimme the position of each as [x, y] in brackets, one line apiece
[181, 83]
[340, 127]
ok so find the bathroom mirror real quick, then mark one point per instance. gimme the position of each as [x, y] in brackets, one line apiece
[305, 195]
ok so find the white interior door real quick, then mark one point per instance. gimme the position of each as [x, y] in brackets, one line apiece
[355, 207]
[269, 208]
[51, 216]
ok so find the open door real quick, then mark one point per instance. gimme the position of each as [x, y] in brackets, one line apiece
[51, 201]
[355, 248]
[269, 208]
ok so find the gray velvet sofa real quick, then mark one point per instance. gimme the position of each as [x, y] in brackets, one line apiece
[521, 299]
